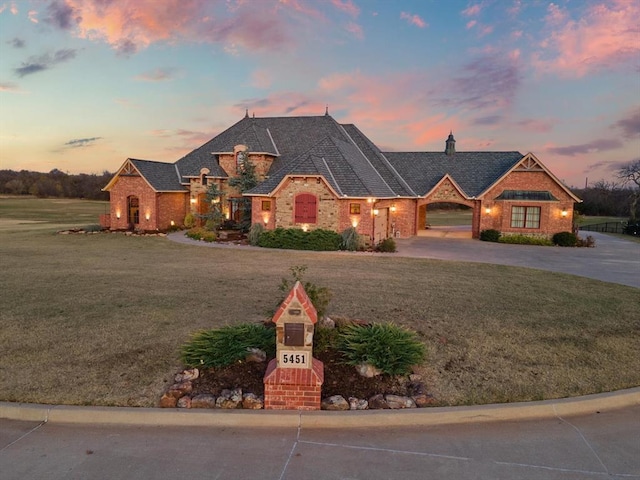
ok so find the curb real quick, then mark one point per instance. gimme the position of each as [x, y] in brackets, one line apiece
[165, 417]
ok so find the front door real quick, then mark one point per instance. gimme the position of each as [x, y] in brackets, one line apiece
[381, 225]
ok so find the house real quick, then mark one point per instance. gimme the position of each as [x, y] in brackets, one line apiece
[317, 173]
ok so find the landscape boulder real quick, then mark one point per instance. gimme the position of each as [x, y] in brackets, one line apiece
[335, 402]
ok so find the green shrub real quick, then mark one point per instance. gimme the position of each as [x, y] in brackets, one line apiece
[227, 345]
[388, 347]
[324, 338]
[521, 239]
[565, 239]
[211, 225]
[320, 296]
[254, 233]
[92, 228]
[189, 220]
[297, 239]
[351, 240]
[199, 233]
[387, 245]
[490, 235]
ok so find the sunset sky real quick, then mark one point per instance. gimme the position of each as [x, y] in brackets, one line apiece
[85, 84]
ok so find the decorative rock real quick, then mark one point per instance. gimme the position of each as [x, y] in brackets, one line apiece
[423, 400]
[204, 400]
[187, 375]
[336, 402]
[179, 390]
[358, 404]
[256, 355]
[415, 378]
[168, 401]
[367, 370]
[397, 401]
[378, 402]
[251, 401]
[229, 399]
[184, 402]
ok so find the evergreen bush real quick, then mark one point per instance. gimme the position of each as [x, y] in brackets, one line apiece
[521, 239]
[387, 245]
[565, 239]
[388, 347]
[297, 239]
[319, 296]
[227, 345]
[490, 235]
[189, 220]
[351, 240]
[199, 233]
[254, 233]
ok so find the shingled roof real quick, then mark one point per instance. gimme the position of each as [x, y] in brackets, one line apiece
[351, 163]
[474, 172]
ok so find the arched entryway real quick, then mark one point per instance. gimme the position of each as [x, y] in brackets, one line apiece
[451, 219]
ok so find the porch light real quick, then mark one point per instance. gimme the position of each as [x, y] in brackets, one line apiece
[564, 212]
[369, 200]
[118, 214]
[487, 210]
[173, 224]
[393, 207]
[265, 219]
[147, 216]
[354, 223]
[376, 211]
[193, 200]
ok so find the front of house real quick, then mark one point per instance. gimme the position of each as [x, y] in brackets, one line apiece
[316, 173]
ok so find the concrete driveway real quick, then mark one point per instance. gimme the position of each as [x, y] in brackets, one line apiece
[612, 259]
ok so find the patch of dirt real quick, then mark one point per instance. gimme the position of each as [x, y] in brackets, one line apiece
[339, 379]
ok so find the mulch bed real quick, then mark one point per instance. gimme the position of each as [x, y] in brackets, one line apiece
[339, 379]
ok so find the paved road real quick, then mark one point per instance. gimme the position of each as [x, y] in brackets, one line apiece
[598, 445]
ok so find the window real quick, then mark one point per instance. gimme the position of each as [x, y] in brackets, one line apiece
[203, 179]
[306, 208]
[241, 158]
[525, 217]
[266, 205]
[133, 210]
[354, 208]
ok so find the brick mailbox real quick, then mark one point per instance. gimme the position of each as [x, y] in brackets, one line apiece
[294, 378]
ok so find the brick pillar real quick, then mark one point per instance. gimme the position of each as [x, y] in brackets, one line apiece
[293, 388]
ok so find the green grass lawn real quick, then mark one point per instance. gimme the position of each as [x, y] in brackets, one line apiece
[98, 319]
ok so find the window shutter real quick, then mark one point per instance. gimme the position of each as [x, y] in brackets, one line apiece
[305, 209]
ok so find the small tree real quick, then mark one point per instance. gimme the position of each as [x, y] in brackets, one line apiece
[630, 173]
[214, 216]
[245, 181]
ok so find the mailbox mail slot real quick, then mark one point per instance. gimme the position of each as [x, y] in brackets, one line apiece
[294, 334]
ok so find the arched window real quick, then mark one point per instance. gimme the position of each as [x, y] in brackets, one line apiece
[306, 209]
[133, 210]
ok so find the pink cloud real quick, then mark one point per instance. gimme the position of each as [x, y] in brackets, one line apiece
[605, 37]
[472, 10]
[261, 78]
[131, 25]
[413, 19]
[157, 75]
[471, 24]
[355, 29]
[32, 15]
[346, 6]
[8, 87]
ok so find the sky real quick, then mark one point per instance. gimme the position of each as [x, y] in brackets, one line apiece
[86, 84]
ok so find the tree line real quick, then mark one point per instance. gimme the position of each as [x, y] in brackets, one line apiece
[55, 184]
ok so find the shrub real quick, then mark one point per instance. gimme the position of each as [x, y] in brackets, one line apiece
[387, 245]
[521, 239]
[324, 338]
[92, 228]
[490, 235]
[211, 225]
[586, 242]
[565, 239]
[388, 347]
[254, 233]
[227, 345]
[189, 220]
[200, 233]
[319, 296]
[297, 239]
[351, 240]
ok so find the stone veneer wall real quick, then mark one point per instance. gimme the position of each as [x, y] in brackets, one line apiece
[327, 213]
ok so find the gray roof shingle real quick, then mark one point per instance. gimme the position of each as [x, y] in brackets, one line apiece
[163, 177]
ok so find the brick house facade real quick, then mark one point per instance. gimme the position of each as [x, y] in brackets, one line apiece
[316, 173]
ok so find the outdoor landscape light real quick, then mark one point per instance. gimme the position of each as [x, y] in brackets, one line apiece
[265, 219]
[564, 212]
[487, 210]
[393, 208]
[118, 214]
[193, 200]
[173, 224]
[354, 223]
[147, 216]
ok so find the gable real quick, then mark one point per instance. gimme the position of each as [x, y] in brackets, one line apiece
[447, 191]
[160, 176]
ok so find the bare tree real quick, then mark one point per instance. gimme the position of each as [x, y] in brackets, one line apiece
[630, 174]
